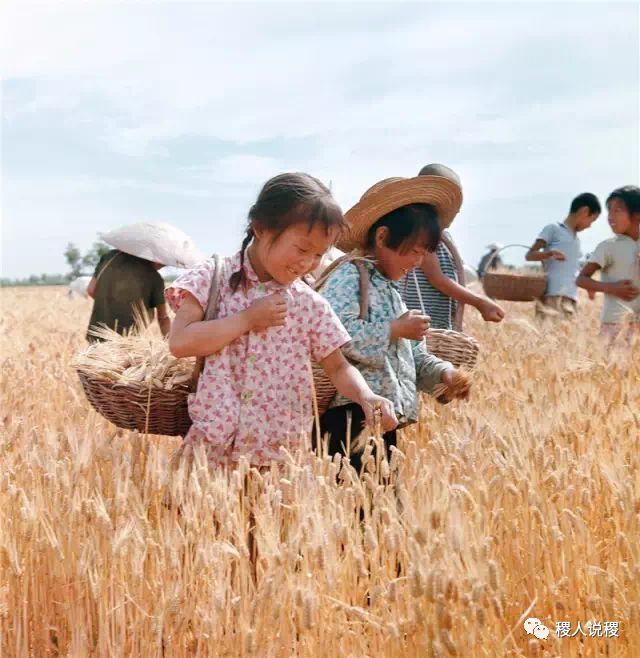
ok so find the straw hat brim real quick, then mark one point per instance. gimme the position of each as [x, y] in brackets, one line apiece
[438, 191]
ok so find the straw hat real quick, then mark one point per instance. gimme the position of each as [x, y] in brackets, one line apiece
[438, 185]
[157, 242]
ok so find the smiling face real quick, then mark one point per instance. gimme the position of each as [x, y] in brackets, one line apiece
[619, 217]
[294, 253]
[397, 263]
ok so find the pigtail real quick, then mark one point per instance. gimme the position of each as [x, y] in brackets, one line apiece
[240, 277]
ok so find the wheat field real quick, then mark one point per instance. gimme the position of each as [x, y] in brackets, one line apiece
[523, 502]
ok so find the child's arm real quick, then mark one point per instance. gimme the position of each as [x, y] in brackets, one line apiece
[535, 254]
[429, 368]
[432, 373]
[163, 319]
[192, 336]
[488, 309]
[624, 290]
[91, 288]
[352, 385]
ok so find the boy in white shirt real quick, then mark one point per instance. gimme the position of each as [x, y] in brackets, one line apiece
[618, 259]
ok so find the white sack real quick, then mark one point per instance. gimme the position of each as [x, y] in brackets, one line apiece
[157, 242]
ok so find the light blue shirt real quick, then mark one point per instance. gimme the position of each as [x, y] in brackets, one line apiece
[395, 369]
[561, 274]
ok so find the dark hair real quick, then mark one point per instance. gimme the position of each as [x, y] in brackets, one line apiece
[407, 225]
[286, 200]
[629, 195]
[586, 199]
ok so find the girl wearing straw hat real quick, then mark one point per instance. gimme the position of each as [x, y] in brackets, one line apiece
[434, 286]
[391, 228]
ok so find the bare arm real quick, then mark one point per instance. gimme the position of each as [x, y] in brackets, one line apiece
[91, 288]
[535, 254]
[163, 319]
[431, 268]
[621, 289]
[190, 335]
[351, 384]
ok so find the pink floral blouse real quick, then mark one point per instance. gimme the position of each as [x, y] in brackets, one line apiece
[255, 395]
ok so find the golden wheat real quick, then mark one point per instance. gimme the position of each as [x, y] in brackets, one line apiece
[524, 501]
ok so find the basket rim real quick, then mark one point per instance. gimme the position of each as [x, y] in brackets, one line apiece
[142, 387]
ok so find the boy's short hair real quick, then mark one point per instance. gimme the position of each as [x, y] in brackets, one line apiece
[586, 199]
[629, 195]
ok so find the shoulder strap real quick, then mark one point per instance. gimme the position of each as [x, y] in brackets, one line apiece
[358, 260]
[104, 268]
[211, 312]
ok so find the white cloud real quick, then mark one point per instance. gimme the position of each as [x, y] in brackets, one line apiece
[525, 100]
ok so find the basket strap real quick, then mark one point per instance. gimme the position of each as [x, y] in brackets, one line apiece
[105, 267]
[210, 313]
[497, 251]
[358, 260]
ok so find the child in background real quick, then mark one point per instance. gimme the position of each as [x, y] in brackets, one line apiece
[254, 396]
[433, 287]
[618, 260]
[395, 223]
[558, 248]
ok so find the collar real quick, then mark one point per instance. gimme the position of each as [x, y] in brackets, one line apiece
[624, 236]
[375, 272]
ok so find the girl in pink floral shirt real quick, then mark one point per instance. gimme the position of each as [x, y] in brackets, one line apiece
[254, 396]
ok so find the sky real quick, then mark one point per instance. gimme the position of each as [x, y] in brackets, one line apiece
[115, 113]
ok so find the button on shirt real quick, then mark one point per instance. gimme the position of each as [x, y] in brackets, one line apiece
[395, 369]
[255, 395]
[561, 281]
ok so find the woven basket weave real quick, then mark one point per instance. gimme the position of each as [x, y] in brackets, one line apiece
[457, 348]
[511, 286]
[151, 411]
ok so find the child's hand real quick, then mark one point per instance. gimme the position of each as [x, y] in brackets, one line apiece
[556, 255]
[376, 407]
[269, 311]
[457, 384]
[624, 290]
[490, 311]
[592, 294]
[411, 325]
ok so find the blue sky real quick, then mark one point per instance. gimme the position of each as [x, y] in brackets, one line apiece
[178, 112]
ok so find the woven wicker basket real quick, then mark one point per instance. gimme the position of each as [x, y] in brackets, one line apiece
[151, 411]
[513, 287]
[457, 348]
[323, 388]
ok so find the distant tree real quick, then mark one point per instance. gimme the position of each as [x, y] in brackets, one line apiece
[74, 260]
[80, 264]
[91, 258]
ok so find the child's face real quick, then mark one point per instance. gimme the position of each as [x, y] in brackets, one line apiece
[395, 264]
[296, 252]
[585, 218]
[619, 217]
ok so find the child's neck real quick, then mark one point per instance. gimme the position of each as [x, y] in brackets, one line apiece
[256, 263]
[634, 231]
[570, 222]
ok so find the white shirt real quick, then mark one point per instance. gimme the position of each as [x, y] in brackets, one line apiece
[619, 258]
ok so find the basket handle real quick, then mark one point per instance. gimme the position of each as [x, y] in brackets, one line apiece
[497, 251]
